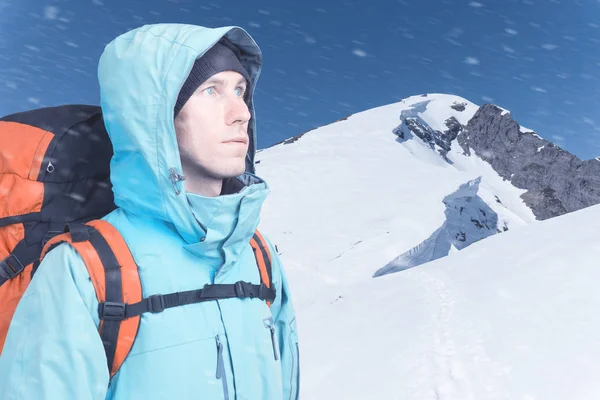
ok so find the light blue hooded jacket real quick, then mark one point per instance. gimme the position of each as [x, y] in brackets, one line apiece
[214, 350]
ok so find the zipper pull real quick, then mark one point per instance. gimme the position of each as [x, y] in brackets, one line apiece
[175, 177]
[273, 341]
[219, 358]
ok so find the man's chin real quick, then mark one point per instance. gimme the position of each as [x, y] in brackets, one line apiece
[232, 171]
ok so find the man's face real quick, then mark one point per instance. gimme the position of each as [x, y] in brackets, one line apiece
[212, 128]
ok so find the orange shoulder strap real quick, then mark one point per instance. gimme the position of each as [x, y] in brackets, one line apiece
[263, 259]
[116, 281]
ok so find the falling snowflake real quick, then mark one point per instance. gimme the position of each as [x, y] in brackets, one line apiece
[549, 46]
[589, 121]
[471, 61]
[50, 12]
[511, 31]
[508, 49]
[359, 52]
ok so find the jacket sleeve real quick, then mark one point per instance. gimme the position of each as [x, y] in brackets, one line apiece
[53, 349]
[285, 322]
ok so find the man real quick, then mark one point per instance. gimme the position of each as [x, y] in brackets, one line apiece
[177, 103]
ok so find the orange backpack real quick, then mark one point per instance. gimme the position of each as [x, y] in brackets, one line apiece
[54, 187]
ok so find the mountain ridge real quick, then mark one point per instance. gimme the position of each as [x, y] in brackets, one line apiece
[377, 181]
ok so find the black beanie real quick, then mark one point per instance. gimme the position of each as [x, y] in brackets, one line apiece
[223, 56]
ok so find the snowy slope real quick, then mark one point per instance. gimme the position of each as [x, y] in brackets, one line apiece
[514, 316]
[467, 215]
[351, 197]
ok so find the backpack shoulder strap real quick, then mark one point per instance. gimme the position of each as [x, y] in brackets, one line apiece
[263, 259]
[116, 280]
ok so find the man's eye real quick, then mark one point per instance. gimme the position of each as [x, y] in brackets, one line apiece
[239, 91]
[210, 90]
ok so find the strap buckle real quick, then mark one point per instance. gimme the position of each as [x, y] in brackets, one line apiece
[266, 293]
[243, 290]
[112, 311]
[156, 303]
[11, 267]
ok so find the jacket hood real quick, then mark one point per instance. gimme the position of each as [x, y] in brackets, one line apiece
[140, 74]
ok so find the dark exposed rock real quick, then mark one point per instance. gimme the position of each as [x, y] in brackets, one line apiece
[557, 182]
[454, 128]
[432, 137]
[459, 106]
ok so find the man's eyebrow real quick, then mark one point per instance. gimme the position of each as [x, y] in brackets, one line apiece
[212, 81]
[218, 81]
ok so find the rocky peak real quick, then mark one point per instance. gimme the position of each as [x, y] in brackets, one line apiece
[556, 181]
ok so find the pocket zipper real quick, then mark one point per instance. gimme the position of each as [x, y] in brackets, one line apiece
[221, 367]
[271, 325]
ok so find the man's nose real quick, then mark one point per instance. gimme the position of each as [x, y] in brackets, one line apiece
[237, 112]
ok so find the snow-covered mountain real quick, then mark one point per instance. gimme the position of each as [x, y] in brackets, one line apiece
[411, 182]
[375, 183]
[508, 317]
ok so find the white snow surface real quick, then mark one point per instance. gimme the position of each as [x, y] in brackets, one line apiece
[512, 316]
[526, 130]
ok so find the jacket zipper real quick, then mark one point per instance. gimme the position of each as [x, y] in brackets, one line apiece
[221, 368]
[271, 325]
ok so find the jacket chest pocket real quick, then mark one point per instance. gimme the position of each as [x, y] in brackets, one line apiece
[270, 326]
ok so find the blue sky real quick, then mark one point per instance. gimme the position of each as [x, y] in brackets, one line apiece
[540, 59]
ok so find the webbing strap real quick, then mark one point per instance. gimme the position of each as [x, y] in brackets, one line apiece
[79, 232]
[113, 289]
[118, 311]
[116, 275]
[16, 262]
